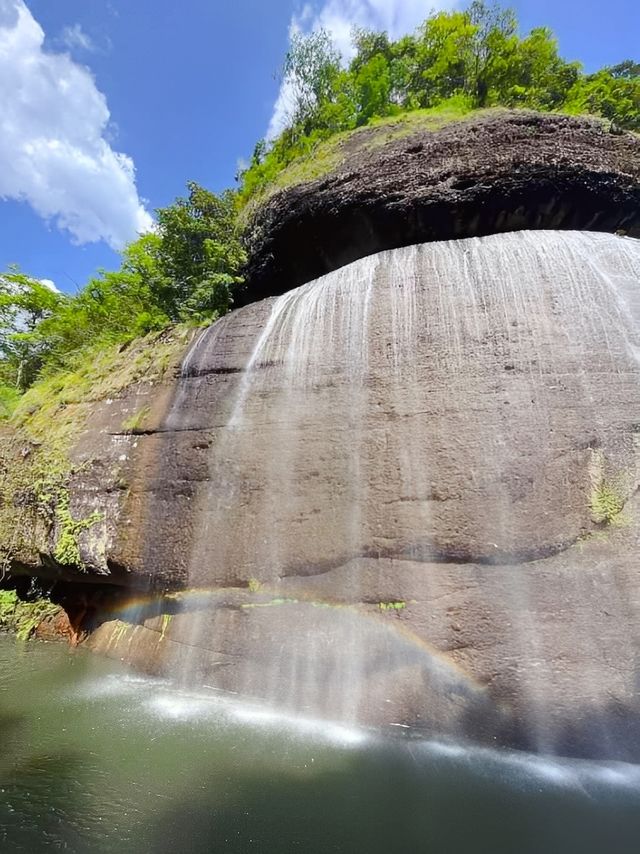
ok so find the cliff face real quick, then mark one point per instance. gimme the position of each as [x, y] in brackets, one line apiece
[406, 493]
[417, 477]
[66, 459]
[498, 173]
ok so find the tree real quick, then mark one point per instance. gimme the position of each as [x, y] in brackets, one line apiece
[534, 75]
[627, 70]
[199, 255]
[368, 44]
[372, 87]
[311, 67]
[405, 73]
[143, 264]
[24, 303]
[491, 47]
[615, 97]
[443, 57]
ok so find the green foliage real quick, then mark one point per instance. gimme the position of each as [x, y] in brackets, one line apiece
[67, 550]
[311, 69]
[164, 626]
[608, 491]
[612, 93]
[9, 398]
[23, 617]
[25, 303]
[8, 602]
[392, 606]
[135, 422]
[53, 504]
[372, 90]
[199, 254]
[184, 272]
[477, 54]
[607, 503]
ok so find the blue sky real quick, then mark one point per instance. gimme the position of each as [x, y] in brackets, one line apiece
[108, 107]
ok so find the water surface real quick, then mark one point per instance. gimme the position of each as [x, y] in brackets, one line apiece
[97, 759]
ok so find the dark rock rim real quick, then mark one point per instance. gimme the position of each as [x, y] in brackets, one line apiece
[494, 174]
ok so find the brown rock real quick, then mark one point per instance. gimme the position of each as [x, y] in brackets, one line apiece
[501, 172]
[426, 513]
[412, 488]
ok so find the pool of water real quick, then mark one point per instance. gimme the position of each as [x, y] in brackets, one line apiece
[96, 759]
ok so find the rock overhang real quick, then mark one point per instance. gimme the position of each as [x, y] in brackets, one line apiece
[494, 173]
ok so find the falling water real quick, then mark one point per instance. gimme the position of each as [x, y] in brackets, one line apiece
[406, 411]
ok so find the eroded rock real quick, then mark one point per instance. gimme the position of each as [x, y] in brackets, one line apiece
[500, 172]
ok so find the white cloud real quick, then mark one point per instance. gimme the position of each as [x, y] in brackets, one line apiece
[53, 150]
[75, 37]
[50, 284]
[282, 110]
[283, 107]
[338, 17]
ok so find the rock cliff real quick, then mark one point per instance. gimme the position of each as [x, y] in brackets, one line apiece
[453, 515]
[500, 172]
[407, 493]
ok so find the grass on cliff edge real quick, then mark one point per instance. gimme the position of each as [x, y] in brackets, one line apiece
[36, 441]
[54, 409]
[326, 156]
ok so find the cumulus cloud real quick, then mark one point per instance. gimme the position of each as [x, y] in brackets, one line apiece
[338, 17]
[53, 148]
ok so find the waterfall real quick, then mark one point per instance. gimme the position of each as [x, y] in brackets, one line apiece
[399, 426]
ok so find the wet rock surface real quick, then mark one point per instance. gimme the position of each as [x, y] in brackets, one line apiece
[412, 491]
[479, 176]
[540, 656]
[430, 511]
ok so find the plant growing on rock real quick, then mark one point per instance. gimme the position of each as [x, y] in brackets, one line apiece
[135, 422]
[607, 497]
[24, 617]
[607, 503]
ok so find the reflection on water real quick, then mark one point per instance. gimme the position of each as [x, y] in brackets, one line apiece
[96, 760]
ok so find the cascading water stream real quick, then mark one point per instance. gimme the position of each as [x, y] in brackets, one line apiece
[400, 414]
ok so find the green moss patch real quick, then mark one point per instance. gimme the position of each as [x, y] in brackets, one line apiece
[23, 617]
[608, 492]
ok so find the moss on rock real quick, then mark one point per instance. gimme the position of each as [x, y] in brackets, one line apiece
[23, 617]
[37, 465]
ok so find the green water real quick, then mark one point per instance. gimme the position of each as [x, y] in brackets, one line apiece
[96, 759]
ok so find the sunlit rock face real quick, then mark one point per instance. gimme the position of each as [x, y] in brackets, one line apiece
[410, 488]
[492, 172]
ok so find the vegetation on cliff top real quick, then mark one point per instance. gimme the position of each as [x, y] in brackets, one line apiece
[184, 272]
[475, 57]
[187, 269]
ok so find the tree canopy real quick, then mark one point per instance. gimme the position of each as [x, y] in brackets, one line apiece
[185, 271]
